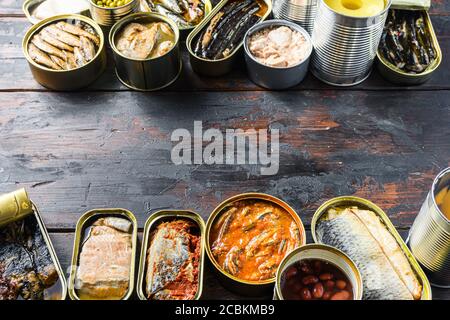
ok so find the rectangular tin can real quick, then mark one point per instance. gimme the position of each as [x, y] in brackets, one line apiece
[232, 283]
[366, 204]
[83, 223]
[150, 225]
[17, 205]
[429, 237]
[396, 75]
[222, 66]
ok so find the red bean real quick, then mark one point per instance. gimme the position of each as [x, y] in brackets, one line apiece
[327, 295]
[305, 294]
[317, 266]
[291, 272]
[305, 267]
[341, 284]
[329, 284]
[318, 290]
[341, 295]
[326, 276]
[310, 280]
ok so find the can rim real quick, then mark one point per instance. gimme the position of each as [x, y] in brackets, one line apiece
[32, 31]
[245, 196]
[277, 22]
[387, 5]
[110, 9]
[119, 24]
[440, 175]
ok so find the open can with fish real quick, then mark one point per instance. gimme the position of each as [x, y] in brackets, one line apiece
[38, 10]
[152, 66]
[106, 16]
[429, 237]
[172, 256]
[214, 44]
[29, 267]
[65, 52]
[319, 272]
[247, 236]
[104, 255]
[365, 234]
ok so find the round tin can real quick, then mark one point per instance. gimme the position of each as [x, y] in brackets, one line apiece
[240, 286]
[324, 253]
[272, 77]
[429, 237]
[14, 205]
[152, 73]
[345, 46]
[66, 80]
[30, 8]
[106, 17]
[301, 12]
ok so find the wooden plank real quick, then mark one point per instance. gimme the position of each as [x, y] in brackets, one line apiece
[212, 288]
[17, 76]
[80, 151]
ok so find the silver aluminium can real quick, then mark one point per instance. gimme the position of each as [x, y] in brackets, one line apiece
[301, 12]
[429, 237]
[344, 46]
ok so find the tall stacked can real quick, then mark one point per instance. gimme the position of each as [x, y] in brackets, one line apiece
[345, 46]
[301, 12]
[429, 237]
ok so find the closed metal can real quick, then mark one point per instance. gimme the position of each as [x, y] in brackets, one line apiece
[301, 12]
[429, 237]
[106, 17]
[14, 206]
[152, 73]
[345, 46]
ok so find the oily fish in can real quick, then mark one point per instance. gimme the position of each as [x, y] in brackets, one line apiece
[37, 10]
[363, 231]
[250, 235]
[171, 266]
[29, 268]
[103, 255]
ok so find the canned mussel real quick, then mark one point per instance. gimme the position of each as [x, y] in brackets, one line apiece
[65, 52]
[104, 252]
[409, 51]
[318, 272]
[29, 267]
[172, 256]
[365, 234]
[214, 44]
[247, 237]
[154, 62]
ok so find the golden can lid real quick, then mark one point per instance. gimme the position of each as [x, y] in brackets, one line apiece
[14, 206]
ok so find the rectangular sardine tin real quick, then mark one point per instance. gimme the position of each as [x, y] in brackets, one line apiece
[83, 224]
[152, 222]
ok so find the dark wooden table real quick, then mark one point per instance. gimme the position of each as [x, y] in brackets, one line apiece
[107, 146]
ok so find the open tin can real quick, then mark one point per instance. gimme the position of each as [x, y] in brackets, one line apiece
[233, 283]
[82, 233]
[35, 13]
[65, 80]
[150, 225]
[364, 204]
[323, 253]
[148, 74]
[15, 207]
[221, 66]
[429, 237]
[106, 17]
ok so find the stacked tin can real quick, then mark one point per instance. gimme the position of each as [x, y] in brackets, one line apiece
[429, 237]
[345, 46]
[302, 12]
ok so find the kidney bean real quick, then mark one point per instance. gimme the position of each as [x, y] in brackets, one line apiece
[341, 295]
[305, 267]
[310, 280]
[329, 284]
[305, 294]
[290, 272]
[318, 290]
[341, 284]
[326, 276]
[318, 266]
[327, 295]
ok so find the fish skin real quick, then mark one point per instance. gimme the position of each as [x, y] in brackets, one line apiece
[63, 36]
[48, 37]
[79, 57]
[41, 57]
[75, 30]
[171, 5]
[345, 231]
[46, 47]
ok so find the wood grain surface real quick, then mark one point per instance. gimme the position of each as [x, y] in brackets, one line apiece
[107, 146]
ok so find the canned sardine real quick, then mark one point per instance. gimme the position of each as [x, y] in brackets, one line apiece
[429, 236]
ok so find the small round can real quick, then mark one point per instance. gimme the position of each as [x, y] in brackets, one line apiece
[429, 237]
[106, 17]
[152, 73]
[14, 205]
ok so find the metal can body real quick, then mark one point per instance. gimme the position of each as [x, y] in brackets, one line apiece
[301, 12]
[429, 237]
[106, 17]
[345, 47]
[29, 8]
[150, 225]
[67, 80]
[147, 74]
[14, 206]
[271, 77]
